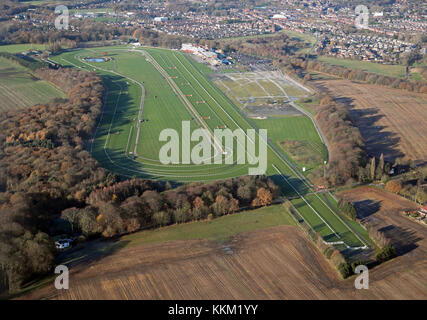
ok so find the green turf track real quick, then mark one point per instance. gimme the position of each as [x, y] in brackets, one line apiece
[163, 108]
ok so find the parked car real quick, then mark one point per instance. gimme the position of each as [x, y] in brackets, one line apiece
[63, 244]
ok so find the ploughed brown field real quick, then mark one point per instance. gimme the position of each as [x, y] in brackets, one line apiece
[392, 121]
[408, 237]
[273, 263]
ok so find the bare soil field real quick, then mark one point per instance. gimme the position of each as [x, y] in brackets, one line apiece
[384, 209]
[274, 263]
[409, 237]
[392, 121]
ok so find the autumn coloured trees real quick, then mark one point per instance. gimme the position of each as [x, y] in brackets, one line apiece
[276, 46]
[393, 186]
[138, 204]
[346, 143]
[264, 198]
[44, 170]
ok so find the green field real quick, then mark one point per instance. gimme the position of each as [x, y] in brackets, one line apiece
[20, 89]
[297, 128]
[17, 48]
[219, 229]
[174, 91]
[309, 39]
[382, 69]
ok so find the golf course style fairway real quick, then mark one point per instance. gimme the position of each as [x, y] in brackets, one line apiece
[148, 90]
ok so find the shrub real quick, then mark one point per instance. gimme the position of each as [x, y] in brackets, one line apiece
[328, 252]
[379, 237]
[264, 198]
[393, 186]
[387, 253]
[348, 208]
[357, 263]
[344, 269]
[161, 218]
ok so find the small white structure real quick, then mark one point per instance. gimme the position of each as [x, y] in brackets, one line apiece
[279, 17]
[161, 19]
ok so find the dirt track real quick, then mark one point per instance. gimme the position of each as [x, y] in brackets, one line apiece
[392, 121]
[274, 263]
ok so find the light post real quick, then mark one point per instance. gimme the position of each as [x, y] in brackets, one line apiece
[324, 169]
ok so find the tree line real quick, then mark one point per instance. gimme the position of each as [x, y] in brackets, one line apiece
[44, 168]
[138, 204]
[277, 46]
[149, 37]
[346, 143]
[88, 31]
[27, 62]
[348, 161]
[411, 186]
